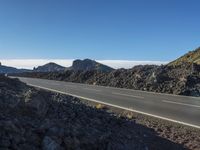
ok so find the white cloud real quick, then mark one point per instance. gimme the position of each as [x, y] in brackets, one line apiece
[30, 63]
[129, 63]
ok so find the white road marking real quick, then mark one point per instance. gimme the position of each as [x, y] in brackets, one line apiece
[133, 110]
[178, 103]
[128, 95]
[92, 89]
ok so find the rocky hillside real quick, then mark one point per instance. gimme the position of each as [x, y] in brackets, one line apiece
[190, 57]
[89, 65]
[50, 67]
[181, 80]
[181, 77]
[32, 119]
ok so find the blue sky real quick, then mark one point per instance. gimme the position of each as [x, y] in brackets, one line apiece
[158, 30]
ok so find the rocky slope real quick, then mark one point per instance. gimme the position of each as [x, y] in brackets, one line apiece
[50, 67]
[183, 79]
[89, 65]
[190, 57]
[33, 119]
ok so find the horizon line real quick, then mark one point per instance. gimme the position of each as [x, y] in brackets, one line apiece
[116, 64]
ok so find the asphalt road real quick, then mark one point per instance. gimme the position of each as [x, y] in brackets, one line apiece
[180, 109]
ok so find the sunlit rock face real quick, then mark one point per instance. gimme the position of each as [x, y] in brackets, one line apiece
[89, 65]
[50, 67]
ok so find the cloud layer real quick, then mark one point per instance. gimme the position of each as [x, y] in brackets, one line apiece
[30, 63]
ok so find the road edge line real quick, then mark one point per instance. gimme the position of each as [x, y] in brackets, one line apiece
[129, 109]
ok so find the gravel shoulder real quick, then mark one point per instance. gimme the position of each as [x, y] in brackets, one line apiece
[186, 136]
[36, 119]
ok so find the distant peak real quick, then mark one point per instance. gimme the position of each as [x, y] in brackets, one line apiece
[88, 64]
[49, 67]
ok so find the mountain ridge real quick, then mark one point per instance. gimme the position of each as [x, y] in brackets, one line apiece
[190, 57]
[8, 69]
[89, 65]
[49, 67]
[77, 65]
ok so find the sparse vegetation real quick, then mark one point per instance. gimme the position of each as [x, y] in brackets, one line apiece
[191, 57]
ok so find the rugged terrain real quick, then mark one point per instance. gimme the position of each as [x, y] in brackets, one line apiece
[89, 65]
[49, 67]
[181, 80]
[181, 77]
[190, 57]
[35, 119]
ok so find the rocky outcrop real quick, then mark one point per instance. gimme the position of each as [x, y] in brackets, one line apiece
[50, 67]
[89, 65]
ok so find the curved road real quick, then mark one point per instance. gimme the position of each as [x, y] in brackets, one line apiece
[180, 109]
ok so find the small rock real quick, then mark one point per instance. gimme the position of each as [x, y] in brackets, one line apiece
[4, 143]
[49, 144]
[36, 103]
